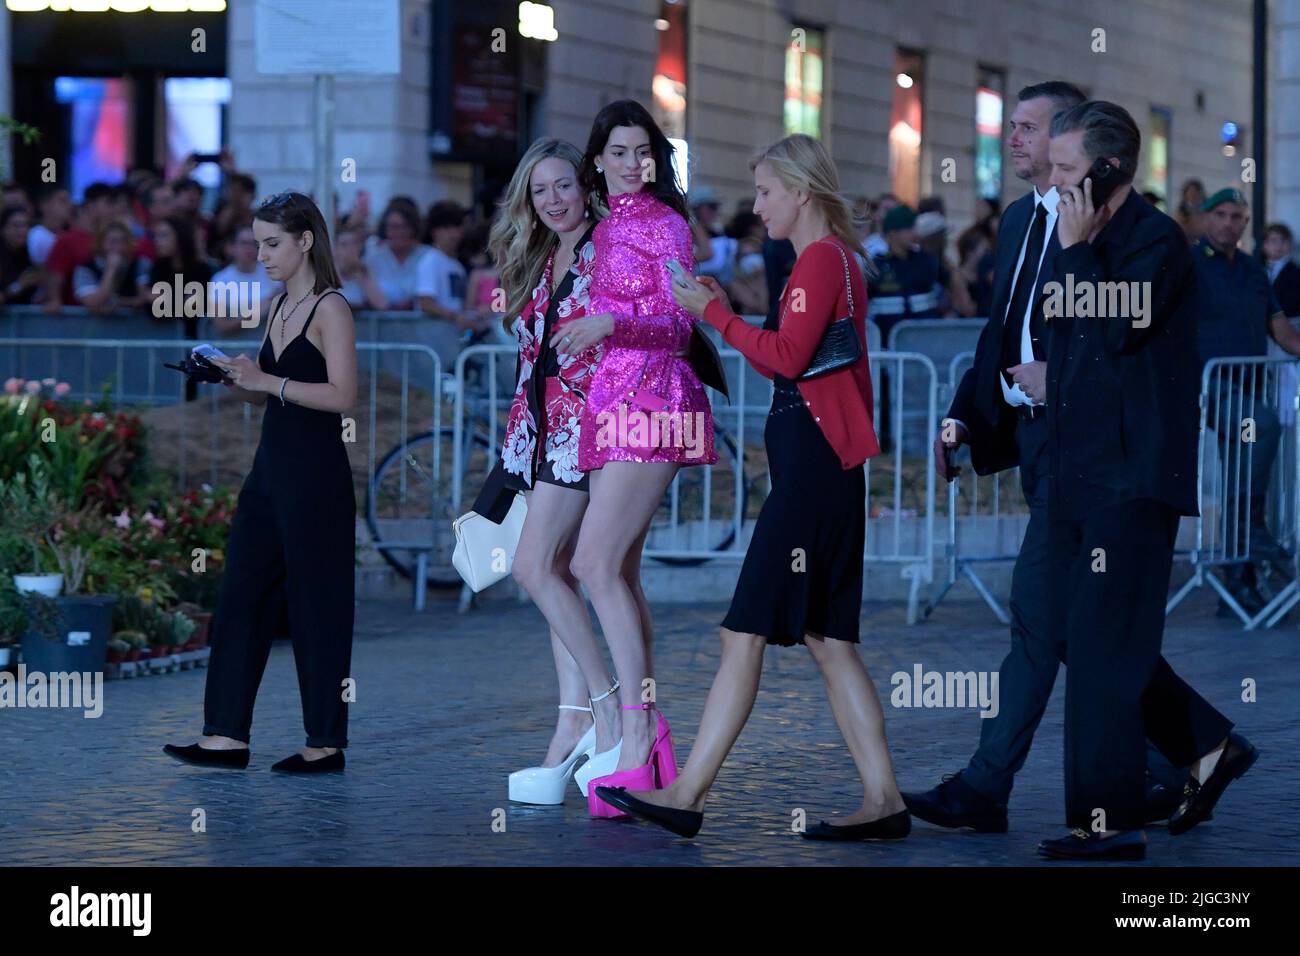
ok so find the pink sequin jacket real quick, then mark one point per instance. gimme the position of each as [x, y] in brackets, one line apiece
[646, 351]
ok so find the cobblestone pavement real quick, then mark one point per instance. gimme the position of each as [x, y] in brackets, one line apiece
[449, 704]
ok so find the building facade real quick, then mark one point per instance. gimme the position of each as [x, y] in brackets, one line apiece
[911, 96]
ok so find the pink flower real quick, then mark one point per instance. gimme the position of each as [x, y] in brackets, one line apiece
[12, 385]
[62, 388]
[123, 520]
[154, 522]
[33, 387]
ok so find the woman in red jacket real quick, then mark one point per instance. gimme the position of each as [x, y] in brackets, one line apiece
[801, 582]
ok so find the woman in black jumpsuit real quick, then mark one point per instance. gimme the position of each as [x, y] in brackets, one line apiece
[292, 542]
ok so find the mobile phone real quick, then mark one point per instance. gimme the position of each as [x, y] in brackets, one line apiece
[1105, 180]
[209, 352]
[678, 273]
[206, 157]
[206, 353]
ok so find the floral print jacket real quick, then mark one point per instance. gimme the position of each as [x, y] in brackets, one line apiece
[557, 399]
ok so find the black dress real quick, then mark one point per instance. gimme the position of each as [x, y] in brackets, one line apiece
[803, 570]
[292, 549]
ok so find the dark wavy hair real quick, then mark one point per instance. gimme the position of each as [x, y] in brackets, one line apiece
[296, 214]
[664, 186]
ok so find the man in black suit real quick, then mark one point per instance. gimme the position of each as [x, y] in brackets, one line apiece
[1122, 395]
[1283, 273]
[992, 412]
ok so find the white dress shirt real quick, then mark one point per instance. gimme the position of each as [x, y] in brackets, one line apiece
[1014, 394]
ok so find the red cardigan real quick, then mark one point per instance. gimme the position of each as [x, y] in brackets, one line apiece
[840, 402]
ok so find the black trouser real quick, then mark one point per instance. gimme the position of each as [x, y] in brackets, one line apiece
[1108, 575]
[291, 549]
[1028, 672]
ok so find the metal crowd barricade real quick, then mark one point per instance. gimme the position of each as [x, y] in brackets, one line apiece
[213, 438]
[900, 515]
[939, 340]
[984, 525]
[708, 512]
[1246, 404]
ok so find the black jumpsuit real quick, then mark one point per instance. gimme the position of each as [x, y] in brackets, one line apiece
[292, 549]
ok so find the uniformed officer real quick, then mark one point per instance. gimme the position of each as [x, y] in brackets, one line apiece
[906, 285]
[1238, 314]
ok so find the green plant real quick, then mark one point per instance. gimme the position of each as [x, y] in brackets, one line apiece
[43, 616]
[182, 629]
[13, 617]
[31, 509]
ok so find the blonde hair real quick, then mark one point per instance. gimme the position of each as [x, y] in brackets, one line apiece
[802, 163]
[519, 242]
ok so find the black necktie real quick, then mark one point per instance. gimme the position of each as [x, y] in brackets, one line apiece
[1026, 282]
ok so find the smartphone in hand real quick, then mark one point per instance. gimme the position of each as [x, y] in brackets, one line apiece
[675, 268]
[1105, 180]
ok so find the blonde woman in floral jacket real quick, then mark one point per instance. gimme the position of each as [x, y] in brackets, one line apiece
[542, 243]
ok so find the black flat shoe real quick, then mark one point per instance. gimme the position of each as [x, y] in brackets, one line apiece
[893, 827]
[1161, 801]
[1082, 845]
[299, 764]
[685, 823]
[1238, 756]
[205, 757]
[955, 803]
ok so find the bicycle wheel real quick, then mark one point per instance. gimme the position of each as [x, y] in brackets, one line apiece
[409, 499]
[682, 522]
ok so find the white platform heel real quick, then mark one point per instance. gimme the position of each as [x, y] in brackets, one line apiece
[598, 764]
[545, 785]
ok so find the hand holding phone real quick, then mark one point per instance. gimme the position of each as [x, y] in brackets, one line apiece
[678, 273]
[1105, 180]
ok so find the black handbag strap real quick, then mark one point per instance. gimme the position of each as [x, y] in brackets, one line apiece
[848, 280]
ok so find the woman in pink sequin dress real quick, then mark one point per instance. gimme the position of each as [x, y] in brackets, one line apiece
[646, 415]
[541, 242]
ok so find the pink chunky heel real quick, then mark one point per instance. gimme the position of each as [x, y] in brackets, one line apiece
[659, 770]
[662, 755]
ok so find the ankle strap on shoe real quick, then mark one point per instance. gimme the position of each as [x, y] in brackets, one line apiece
[575, 707]
[613, 687]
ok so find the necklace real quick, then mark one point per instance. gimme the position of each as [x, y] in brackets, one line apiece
[284, 319]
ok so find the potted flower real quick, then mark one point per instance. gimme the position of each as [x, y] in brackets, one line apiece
[30, 514]
[87, 619]
[202, 621]
[118, 649]
[182, 631]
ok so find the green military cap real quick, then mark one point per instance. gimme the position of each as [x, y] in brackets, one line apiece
[1224, 195]
[900, 217]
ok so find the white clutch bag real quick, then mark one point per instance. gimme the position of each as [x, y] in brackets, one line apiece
[484, 550]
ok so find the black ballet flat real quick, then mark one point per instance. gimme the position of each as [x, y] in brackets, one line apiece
[893, 827]
[299, 764]
[205, 757]
[685, 823]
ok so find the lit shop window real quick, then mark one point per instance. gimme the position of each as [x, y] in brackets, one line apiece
[803, 81]
[988, 133]
[1157, 150]
[98, 124]
[194, 112]
[668, 87]
[905, 127]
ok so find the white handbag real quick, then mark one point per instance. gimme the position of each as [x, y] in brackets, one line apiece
[486, 550]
